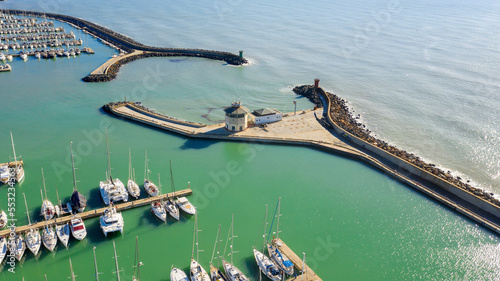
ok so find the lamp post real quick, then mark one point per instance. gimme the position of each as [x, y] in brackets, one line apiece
[295, 111]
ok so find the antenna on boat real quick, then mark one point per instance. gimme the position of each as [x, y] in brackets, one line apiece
[95, 264]
[116, 263]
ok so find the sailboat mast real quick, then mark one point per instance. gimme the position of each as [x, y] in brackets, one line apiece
[57, 194]
[73, 165]
[138, 263]
[232, 236]
[72, 273]
[194, 234]
[264, 236]
[278, 222]
[146, 174]
[109, 160]
[116, 263]
[95, 264]
[27, 212]
[44, 189]
[13, 150]
[129, 165]
[172, 179]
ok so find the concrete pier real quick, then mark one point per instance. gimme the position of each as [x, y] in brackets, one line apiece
[98, 212]
[310, 129]
[309, 274]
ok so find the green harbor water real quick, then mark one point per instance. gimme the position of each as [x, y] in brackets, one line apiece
[353, 222]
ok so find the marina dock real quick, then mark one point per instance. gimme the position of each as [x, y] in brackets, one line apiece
[309, 274]
[98, 212]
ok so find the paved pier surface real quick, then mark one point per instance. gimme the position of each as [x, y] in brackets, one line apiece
[99, 212]
[103, 69]
[309, 274]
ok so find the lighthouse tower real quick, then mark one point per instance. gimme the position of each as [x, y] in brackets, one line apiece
[236, 117]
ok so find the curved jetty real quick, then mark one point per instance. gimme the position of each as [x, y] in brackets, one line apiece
[129, 45]
[318, 129]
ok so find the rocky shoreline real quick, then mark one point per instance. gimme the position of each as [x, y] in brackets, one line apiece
[342, 116]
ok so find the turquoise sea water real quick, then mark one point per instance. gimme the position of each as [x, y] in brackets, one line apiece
[422, 75]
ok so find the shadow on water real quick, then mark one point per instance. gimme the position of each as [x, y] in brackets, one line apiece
[196, 144]
[94, 200]
[252, 267]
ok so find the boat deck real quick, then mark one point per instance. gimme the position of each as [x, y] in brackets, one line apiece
[12, 164]
[309, 274]
[100, 211]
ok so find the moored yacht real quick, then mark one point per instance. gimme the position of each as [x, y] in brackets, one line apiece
[78, 200]
[267, 266]
[4, 174]
[149, 186]
[33, 238]
[3, 248]
[196, 271]
[78, 228]
[232, 272]
[111, 221]
[3, 219]
[132, 186]
[18, 168]
[48, 211]
[49, 237]
[2, 57]
[63, 233]
[185, 205]
[112, 190]
[17, 246]
[178, 275]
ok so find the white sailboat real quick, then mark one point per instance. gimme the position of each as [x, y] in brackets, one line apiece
[4, 174]
[49, 237]
[3, 219]
[33, 238]
[170, 206]
[78, 200]
[112, 190]
[197, 272]
[185, 205]
[48, 211]
[138, 264]
[77, 227]
[158, 207]
[279, 258]
[215, 273]
[178, 275]
[232, 272]
[63, 233]
[111, 221]
[149, 186]
[17, 246]
[132, 186]
[265, 264]
[18, 168]
[3, 248]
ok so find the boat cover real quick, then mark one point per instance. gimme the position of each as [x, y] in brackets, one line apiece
[78, 200]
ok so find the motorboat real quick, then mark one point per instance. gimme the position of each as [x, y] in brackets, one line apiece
[78, 228]
[63, 233]
[111, 221]
[185, 205]
[178, 275]
[132, 186]
[49, 237]
[172, 209]
[267, 266]
[112, 190]
[78, 200]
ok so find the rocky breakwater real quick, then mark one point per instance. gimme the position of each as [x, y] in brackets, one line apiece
[342, 116]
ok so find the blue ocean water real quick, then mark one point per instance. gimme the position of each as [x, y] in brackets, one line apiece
[422, 75]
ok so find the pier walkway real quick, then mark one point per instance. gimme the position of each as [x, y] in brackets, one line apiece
[309, 274]
[306, 128]
[98, 212]
[103, 69]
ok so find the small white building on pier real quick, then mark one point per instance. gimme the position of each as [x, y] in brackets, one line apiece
[236, 117]
[266, 115]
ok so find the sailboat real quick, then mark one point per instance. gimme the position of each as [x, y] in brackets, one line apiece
[132, 186]
[185, 205]
[232, 272]
[18, 168]
[265, 264]
[170, 206]
[5, 174]
[158, 207]
[62, 209]
[78, 200]
[215, 273]
[197, 272]
[77, 227]
[63, 232]
[112, 190]
[17, 246]
[3, 248]
[138, 263]
[178, 275]
[149, 186]
[279, 258]
[49, 237]
[111, 221]
[48, 211]
[33, 239]
[3, 219]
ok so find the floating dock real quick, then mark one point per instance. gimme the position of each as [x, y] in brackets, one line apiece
[308, 273]
[99, 212]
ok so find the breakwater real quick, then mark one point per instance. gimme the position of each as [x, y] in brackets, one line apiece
[129, 45]
[347, 125]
